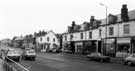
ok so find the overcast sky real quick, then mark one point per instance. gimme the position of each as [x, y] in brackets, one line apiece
[21, 17]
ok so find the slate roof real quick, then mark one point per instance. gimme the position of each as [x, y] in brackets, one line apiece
[131, 15]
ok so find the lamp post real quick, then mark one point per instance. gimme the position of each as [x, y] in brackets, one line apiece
[105, 25]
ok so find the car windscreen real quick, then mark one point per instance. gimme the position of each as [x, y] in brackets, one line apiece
[12, 52]
[31, 51]
[133, 56]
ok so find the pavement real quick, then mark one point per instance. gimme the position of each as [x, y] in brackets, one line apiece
[2, 65]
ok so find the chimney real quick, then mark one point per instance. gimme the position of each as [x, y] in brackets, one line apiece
[124, 13]
[73, 23]
[92, 19]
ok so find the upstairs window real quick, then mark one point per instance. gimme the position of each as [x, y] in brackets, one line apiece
[126, 28]
[111, 31]
[53, 39]
[90, 35]
[100, 32]
[47, 38]
[81, 35]
[71, 37]
[65, 37]
[40, 38]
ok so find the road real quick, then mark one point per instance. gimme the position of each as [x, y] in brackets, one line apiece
[62, 62]
[69, 62]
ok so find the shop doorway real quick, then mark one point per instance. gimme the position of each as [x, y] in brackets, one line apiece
[99, 46]
[72, 47]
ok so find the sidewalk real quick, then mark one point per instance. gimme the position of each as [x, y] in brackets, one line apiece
[2, 65]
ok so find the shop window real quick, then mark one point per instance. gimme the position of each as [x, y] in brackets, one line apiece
[126, 28]
[124, 47]
[81, 35]
[90, 35]
[111, 31]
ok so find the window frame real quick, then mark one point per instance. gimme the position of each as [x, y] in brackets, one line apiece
[111, 30]
[90, 35]
[126, 29]
[81, 34]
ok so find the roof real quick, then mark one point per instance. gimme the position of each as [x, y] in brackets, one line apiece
[47, 33]
[19, 38]
[131, 15]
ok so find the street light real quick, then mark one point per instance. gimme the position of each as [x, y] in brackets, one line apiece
[105, 24]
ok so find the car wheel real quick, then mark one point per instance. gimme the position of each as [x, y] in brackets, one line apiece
[125, 63]
[19, 59]
[33, 59]
[129, 63]
[24, 58]
[101, 60]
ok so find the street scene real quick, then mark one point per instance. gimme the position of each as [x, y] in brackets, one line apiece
[72, 35]
[72, 62]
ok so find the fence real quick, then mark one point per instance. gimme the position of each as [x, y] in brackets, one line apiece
[11, 65]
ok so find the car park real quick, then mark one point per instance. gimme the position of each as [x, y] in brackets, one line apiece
[130, 60]
[98, 57]
[13, 55]
[29, 54]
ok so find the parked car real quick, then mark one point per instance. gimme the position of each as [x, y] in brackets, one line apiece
[29, 54]
[67, 51]
[27, 49]
[13, 54]
[57, 50]
[130, 60]
[98, 57]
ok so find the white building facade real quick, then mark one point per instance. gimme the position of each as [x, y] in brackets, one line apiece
[47, 42]
[119, 37]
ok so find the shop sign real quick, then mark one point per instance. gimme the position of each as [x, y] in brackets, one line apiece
[123, 40]
[109, 40]
[78, 43]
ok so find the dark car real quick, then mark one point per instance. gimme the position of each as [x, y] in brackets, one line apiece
[13, 55]
[130, 60]
[57, 50]
[29, 54]
[98, 57]
[67, 51]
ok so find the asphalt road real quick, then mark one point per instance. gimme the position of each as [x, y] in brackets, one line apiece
[62, 62]
[69, 62]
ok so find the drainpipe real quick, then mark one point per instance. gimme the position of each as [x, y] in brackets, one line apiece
[97, 47]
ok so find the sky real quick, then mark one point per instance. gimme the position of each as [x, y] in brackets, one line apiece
[21, 17]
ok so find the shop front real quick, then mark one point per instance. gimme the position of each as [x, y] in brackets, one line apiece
[78, 47]
[109, 47]
[89, 46]
[45, 47]
[123, 47]
[66, 46]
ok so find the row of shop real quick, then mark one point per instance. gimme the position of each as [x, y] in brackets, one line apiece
[83, 47]
[109, 46]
